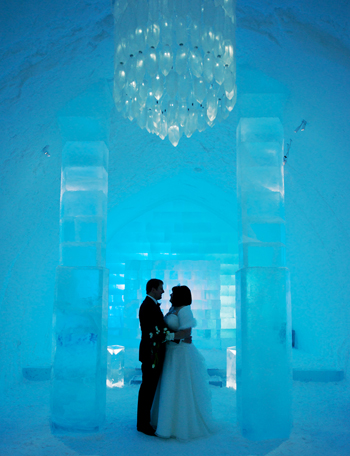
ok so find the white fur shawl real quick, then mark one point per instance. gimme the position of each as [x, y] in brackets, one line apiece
[186, 319]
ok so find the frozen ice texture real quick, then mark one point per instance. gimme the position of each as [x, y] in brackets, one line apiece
[78, 381]
[78, 384]
[91, 203]
[115, 366]
[260, 182]
[83, 229]
[84, 187]
[264, 342]
[82, 254]
[264, 375]
[262, 255]
[181, 243]
[231, 367]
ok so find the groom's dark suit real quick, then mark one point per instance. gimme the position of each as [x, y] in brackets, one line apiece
[150, 355]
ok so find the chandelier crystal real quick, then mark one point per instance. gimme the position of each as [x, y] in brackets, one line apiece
[174, 67]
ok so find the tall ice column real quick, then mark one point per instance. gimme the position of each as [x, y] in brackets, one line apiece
[78, 388]
[264, 376]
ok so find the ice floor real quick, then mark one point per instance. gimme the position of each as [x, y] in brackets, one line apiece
[321, 426]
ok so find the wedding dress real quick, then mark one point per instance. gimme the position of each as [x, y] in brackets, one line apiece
[182, 403]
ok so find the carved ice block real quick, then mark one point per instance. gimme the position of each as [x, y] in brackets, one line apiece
[78, 380]
[260, 185]
[264, 346]
[263, 299]
[115, 366]
[231, 367]
[84, 188]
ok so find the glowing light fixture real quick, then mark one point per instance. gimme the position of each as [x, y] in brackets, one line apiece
[175, 70]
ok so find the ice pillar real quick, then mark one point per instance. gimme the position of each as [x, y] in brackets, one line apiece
[78, 384]
[264, 380]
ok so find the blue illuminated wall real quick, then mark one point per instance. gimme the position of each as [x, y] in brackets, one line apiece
[177, 242]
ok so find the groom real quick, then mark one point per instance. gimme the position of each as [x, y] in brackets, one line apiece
[152, 351]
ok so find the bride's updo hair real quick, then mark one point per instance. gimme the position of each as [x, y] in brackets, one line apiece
[181, 296]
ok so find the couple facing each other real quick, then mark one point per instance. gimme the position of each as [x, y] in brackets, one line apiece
[174, 397]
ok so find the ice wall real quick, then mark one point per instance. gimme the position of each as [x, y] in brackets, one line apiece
[264, 379]
[178, 242]
[78, 384]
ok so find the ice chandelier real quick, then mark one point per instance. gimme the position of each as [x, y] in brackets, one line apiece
[175, 68]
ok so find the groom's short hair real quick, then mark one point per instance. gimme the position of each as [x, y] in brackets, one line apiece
[153, 283]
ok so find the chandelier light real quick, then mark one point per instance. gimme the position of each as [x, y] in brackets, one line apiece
[175, 70]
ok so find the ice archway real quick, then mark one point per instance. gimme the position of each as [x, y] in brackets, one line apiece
[186, 232]
[192, 247]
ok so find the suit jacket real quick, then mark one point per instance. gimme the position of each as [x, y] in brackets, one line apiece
[152, 323]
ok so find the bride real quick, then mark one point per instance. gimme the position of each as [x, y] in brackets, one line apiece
[182, 403]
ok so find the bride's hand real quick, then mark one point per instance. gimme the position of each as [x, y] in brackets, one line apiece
[183, 334]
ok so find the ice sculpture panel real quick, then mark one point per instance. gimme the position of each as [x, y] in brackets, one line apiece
[85, 178]
[79, 345]
[79, 202]
[84, 154]
[264, 376]
[265, 232]
[263, 130]
[262, 254]
[115, 366]
[78, 383]
[259, 153]
[231, 367]
[83, 254]
[263, 205]
[263, 298]
[262, 178]
[260, 185]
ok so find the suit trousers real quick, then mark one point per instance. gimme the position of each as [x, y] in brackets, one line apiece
[150, 378]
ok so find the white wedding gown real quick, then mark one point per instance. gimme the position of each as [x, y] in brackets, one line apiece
[182, 403]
